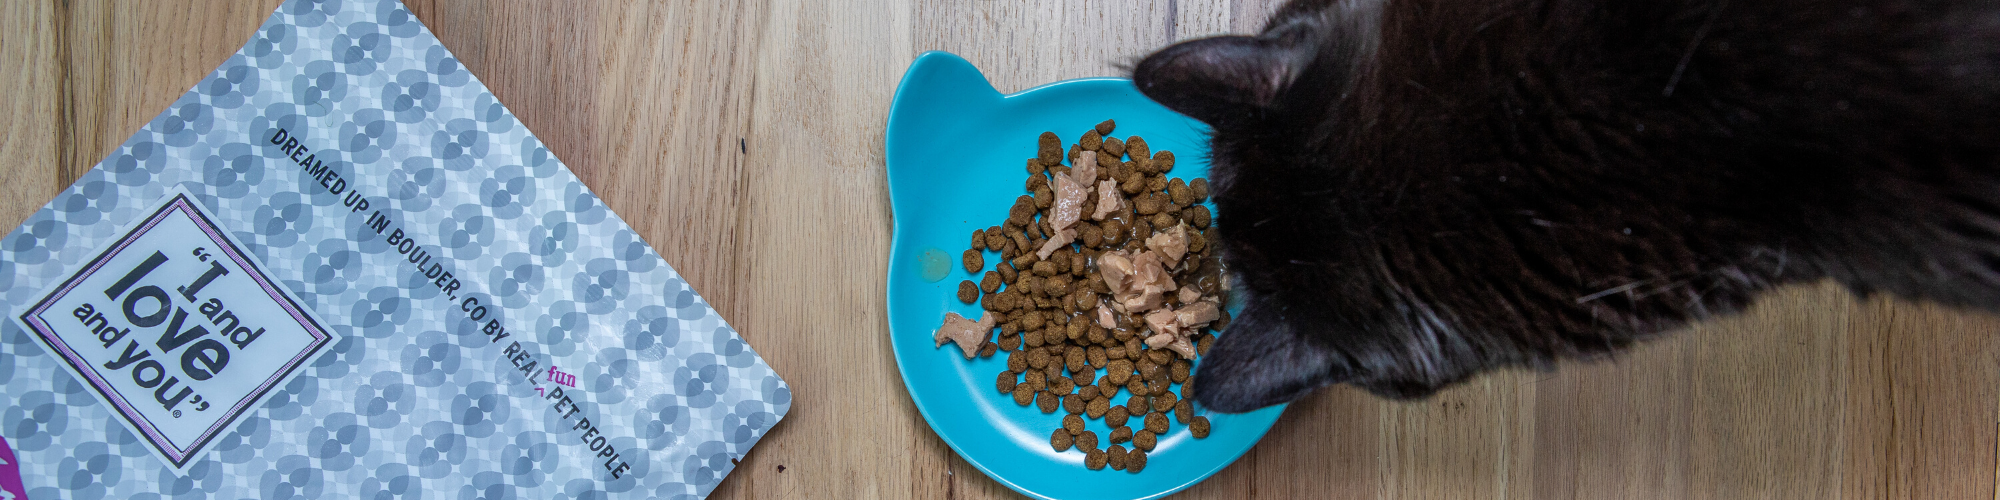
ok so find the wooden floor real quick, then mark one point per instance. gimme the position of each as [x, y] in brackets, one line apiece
[743, 139]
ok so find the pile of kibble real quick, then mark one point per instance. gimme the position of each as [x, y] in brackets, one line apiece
[1060, 318]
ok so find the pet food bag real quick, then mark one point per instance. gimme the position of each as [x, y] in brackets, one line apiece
[339, 268]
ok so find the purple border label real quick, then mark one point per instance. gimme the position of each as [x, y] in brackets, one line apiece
[10, 474]
[187, 346]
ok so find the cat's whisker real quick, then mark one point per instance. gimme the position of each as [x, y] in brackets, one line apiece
[1613, 290]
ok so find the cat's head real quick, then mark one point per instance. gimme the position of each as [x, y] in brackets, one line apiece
[1409, 193]
[1317, 305]
[1368, 245]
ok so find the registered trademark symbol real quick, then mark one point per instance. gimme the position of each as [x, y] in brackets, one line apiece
[177, 414]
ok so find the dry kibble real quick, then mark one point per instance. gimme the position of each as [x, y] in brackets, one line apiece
[987, 349]
[979, 239]
[1046, 401]
[1133, 182]
[974, 261]
[1180, 370]
[1199, 427]
[1022, 213]
[1091, 141]
[1006, 382]
[1060, 385]
[1178, 192]
[1073, 404]
[1164, 402]
[1086, 440]
[1023, 395]
[1035, 380]
[1097, 407]
[1036, 359]
[1073, 424]
[1184, 412]
[1035, 166]
[1199, 217]
[1061, 440]
[1149, 368]
[1017, 361]
[1116, 416]
[1199, 188]
[1084, 376]
[968, 292]
[1163, 161]
[990, 283]
[1137, 405]
[1117, 458]
[1135, 462]
[1118, 371]
[1146, 205]
[1092, 235]
[1156, 422]
[1049, 148]
[1095, 459]
[1144, 440]
[1115, 147]
[1121, 435]
[1096, 354]
[1044, 268]
[1089, 392]
[1105, 127]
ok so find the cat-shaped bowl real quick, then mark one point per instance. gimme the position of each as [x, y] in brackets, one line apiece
[955, 149]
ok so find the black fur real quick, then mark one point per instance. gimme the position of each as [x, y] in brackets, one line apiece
[1411, 192]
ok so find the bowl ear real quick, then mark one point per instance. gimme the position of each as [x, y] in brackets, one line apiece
[1262, 361]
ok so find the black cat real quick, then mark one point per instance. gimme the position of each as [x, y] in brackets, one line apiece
[1410, 192]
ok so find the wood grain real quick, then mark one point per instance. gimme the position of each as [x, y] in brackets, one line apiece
[743, 140]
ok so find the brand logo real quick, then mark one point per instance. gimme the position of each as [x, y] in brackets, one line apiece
[177, 329]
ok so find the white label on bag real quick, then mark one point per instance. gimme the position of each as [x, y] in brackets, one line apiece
[177, 329]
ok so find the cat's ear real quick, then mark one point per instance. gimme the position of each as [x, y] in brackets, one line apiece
[1219, 80]
[1261, 360]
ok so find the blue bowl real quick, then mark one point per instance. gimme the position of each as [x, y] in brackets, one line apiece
[956, 153]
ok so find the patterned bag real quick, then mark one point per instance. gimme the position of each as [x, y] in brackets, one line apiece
[338, 268]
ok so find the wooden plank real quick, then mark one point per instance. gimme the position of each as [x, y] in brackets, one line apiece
[811, 258]
[30, 139]
[125, 62]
